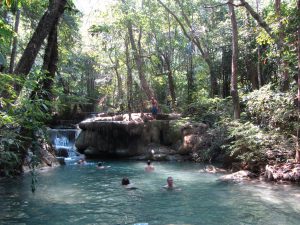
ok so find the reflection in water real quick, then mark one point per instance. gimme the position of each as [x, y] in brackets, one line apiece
[86, 195]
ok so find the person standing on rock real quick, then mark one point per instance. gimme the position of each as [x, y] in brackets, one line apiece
[154, 108]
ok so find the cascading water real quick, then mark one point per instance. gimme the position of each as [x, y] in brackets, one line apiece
[63, 140]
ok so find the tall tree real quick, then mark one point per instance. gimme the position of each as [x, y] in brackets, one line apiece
[129, 78]
[196, 40]
[234, 65]
[44, 88]
[15, 42]
[50, 17]
[259, 20]
[298, 99]
[283, 66]
[258, 54]
[136, 48]
[116, 65]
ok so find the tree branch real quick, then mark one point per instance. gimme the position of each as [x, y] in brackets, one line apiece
[259, 20]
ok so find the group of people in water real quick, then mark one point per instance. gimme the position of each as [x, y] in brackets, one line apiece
[149, 168]
[125, 181]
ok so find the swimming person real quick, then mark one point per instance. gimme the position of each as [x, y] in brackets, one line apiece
[126, 184]
[100, 166]
[170, 185]
[81, 162]
[149, 167]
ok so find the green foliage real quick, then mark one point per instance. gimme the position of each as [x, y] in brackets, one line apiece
[210, 110]
[15, 116]
[249, 143]
[6, 34]
[272, 110]
[270, 121]
[9, 161]
[160, 85]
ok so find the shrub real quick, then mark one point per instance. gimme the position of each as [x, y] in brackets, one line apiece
[272, 110]
[210, 110]
[250, 143]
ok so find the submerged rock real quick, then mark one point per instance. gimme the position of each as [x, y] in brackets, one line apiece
[242, 175]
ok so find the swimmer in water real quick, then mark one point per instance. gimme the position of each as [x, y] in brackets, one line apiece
[100, 166]
[81, 162]
[170, 184]
[149, 167]
[127, 185]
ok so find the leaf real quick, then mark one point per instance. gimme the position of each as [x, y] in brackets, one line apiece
[45, 107]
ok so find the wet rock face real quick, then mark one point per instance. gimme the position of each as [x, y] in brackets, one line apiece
[110, 137]
[116, 136]
[195, 137]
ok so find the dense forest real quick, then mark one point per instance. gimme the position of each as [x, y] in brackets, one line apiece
[234, 65]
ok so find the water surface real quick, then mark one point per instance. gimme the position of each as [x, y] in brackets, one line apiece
[76, 194]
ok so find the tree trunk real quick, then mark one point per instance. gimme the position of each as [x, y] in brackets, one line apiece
[258, 55]
[54, 11]
[44, 89]
[190, 77]
[50, 65]
[138, 59]
[90, 84]
[259, 67]
[139, 63]
[15, 42]
[283, 64]
[170, 80]
[168, 59]
[225, 70]
[120, 86]
[129, 79]
[234, 66]
[298, 130]
[251, 69]
[119, 81]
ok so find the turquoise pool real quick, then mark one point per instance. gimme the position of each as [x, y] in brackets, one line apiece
[82, 194]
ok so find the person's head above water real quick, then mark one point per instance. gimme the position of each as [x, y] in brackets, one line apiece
[100, 164]
[125, 181]
[149, 167]
[170, 182]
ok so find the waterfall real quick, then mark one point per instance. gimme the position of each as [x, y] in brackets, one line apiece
[63, 141]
